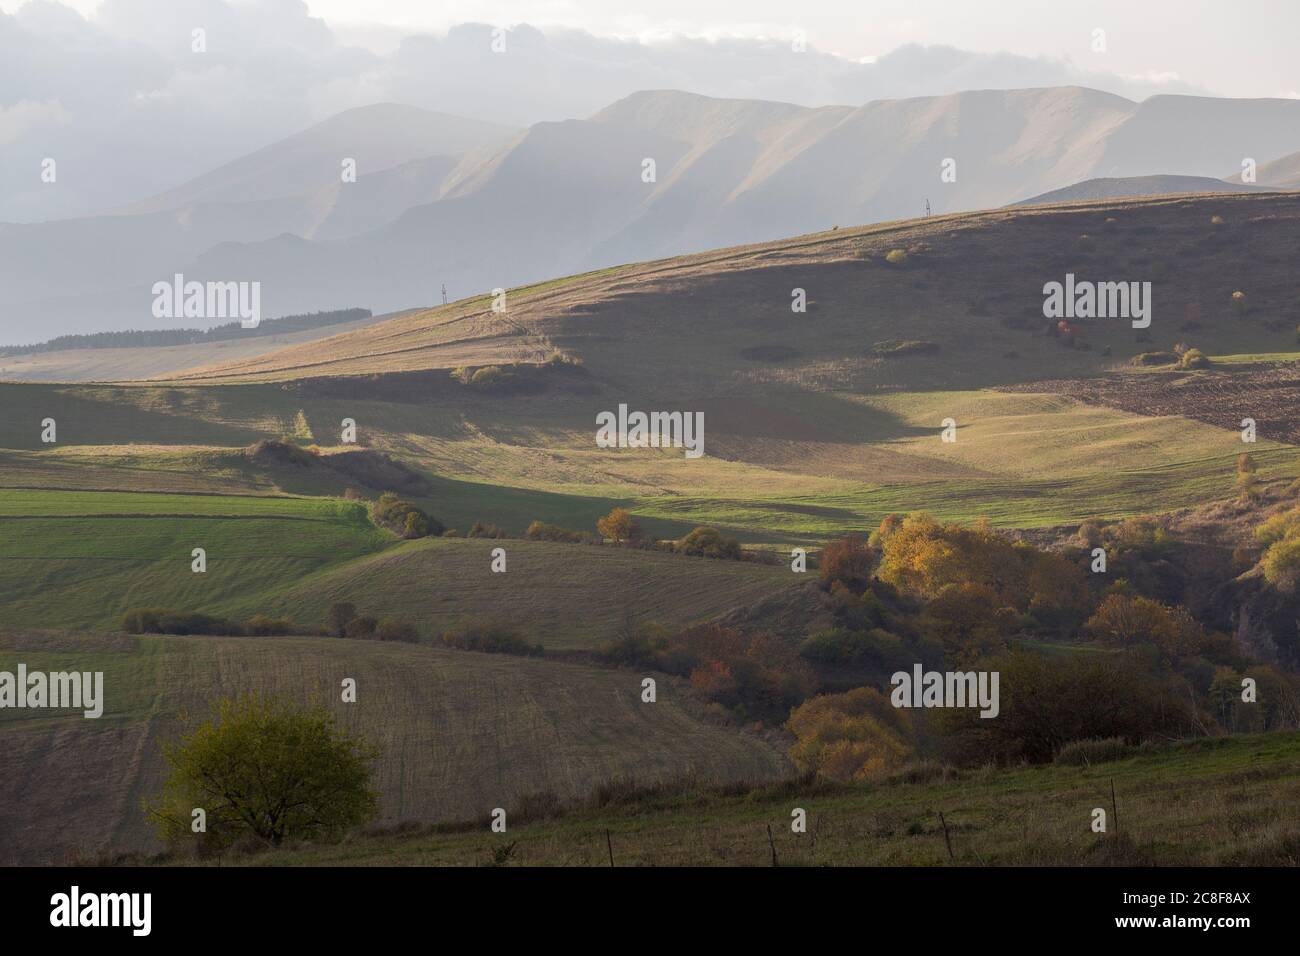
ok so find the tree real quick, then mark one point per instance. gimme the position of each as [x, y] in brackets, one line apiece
[968, 620]
[362, 628]
[709, 543]
[618, 525]
[1048, 701]
[392, 629]
[416, 525]
[269, 768]
[339, 616]
[850, 561]
[850, 736]
[1127, 621]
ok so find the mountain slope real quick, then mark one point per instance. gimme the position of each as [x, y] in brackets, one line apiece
[377, 137]
[1135, 186]
[565, 197]
[1281, 173]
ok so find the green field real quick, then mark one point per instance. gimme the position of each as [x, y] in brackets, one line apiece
[1226, 801]
[80, 559]
[460, 733]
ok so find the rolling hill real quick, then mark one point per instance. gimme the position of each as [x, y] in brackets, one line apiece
[80, 559]
[126, 364]
[460, 733]
[1281, 173]
[817, 421]
[1221, 802]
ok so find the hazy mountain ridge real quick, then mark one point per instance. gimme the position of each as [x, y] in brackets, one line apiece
[565, 197]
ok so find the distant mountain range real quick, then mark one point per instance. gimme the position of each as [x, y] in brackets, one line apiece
[444, 200]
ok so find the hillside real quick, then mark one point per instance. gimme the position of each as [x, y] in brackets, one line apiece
[972, 283]
[817, 422]
[733, 171]
[378, 137]
[1229, 801]
[460, 733]
[1281, 173]
[476, 209]
[1131, 187]
[126, 364]
[80, 559]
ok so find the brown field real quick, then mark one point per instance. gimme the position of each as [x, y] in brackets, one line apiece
[1222, 397]
[460, 733]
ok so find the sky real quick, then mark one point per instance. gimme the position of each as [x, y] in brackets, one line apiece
[1239, 49]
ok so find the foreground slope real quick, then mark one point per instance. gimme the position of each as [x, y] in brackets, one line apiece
[459, 733]
[1228, 801]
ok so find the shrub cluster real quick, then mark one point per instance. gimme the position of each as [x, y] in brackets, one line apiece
[491, 637]
[403, 518]
[157, 620]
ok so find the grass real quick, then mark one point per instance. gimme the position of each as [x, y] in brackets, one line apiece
[1255, 358]
[566, 596]
[1223, 801]
[79, 559]
[459, 733]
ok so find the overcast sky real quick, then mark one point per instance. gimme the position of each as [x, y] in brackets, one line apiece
[1245, 48]
[114, 91]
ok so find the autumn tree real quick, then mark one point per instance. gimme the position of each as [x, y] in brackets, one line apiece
[618, 526]
[850, 736]
[849, 561]
[1126, 621]
[922, 556]
[968, 620]
[1048, 701]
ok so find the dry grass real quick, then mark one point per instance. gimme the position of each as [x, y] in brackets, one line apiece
[460, 733]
